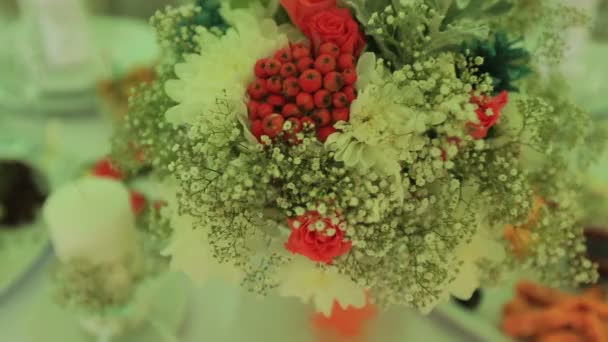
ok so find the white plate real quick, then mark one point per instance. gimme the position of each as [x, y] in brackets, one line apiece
[20, 249]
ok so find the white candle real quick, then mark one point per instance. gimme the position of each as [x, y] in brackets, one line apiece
[91, 219]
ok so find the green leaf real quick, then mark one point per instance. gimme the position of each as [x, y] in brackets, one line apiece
[456, 34]
[462, 4]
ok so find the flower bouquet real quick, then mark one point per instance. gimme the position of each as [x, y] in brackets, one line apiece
[406, 150]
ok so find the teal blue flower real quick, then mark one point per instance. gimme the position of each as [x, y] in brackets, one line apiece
[210, 15]
[503, 60]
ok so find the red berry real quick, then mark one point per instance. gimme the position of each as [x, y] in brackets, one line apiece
[350, 92]
[340, 100]
[289, 70]
[322, 117]
[305, 63]
[274, 84]
[257, 90]
[273, 67]
[346, 61]
[330, 49]
[290, 110]
[283, 55]
[276, 100]
[325, 64]
[252, 107]
[257, 129]
[273, 125]
[323, 98]
[340, 114]
[308, 122]
[325, 132]
[295, 46]
[265, 109]
[333, 81]
[259, 68]
[291, 87]
[311, 81]
[301, 51]
[305, 101]
[349, 76]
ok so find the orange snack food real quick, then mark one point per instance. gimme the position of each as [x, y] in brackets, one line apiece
[516, 306]
[562, 336]
[539, 295]
[542, 314]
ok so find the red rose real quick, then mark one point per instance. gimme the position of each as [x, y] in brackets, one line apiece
[322, 245]
[337, 26]
[485, 103]
[298, 10]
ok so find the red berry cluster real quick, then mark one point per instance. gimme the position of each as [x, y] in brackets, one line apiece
[306, 88]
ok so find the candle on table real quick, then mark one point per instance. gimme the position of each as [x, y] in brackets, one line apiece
[91, 219]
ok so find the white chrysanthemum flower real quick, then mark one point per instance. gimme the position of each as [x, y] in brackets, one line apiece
[482, 247]
[382, 130]
[224, 69]
[189, 248]
[302, 279]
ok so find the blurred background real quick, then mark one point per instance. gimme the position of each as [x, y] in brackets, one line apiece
[66, 68]
[136, 8]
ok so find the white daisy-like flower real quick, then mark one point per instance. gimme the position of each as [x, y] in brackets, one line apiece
[482, 247]
[189, 248]
[381, 131]
[224, 69]
[302, 279]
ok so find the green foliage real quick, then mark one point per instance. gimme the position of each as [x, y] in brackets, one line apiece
[144, 132]
[405, 30]
[479, 9]
[503, 59]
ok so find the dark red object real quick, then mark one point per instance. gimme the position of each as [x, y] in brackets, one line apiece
[104, 168]
[138, 203]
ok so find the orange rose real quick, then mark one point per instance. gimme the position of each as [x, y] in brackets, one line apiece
[485, 103]
[318, 245]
